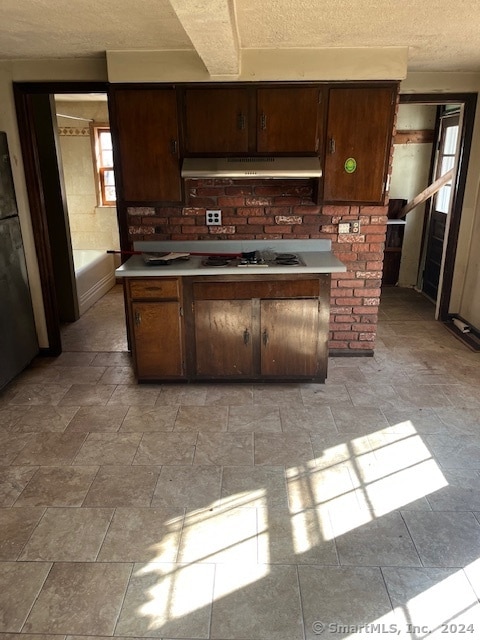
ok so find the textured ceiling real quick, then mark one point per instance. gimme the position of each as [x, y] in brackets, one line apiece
[441, 35]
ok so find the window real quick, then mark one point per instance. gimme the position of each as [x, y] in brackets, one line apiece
[104, 165]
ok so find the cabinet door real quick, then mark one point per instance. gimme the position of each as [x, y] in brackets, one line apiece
[157, 339]
[289, 337]
[216, 120]
[223, 337]
[359, 131]
[146, 129]
[287, 120]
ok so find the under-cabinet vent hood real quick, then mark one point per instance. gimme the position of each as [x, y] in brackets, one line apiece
[267, 167]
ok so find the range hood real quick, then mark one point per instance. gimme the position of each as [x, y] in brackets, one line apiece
[257, 167]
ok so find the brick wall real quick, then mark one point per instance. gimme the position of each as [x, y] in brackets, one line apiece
[282, 209]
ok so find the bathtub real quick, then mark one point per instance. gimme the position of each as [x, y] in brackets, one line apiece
[94, 275]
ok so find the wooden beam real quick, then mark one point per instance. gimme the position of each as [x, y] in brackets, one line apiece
[427, 193]
[414, 136]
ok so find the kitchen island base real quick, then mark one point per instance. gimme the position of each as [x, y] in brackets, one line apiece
[228, 327]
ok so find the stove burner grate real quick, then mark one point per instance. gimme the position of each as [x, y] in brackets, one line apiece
[216, 261]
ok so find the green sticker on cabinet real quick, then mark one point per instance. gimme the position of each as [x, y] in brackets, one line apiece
[350, 165]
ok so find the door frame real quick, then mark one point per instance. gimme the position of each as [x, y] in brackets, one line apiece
[23, 92]
[469, 102]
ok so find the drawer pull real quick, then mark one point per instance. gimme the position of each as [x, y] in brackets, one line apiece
[265, 337]
[138, 318]
[246, 336]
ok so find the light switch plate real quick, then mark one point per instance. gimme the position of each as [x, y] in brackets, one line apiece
[213, 217]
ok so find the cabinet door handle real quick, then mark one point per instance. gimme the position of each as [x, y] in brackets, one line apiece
[138, 318]
[173, 147]
[246, 336]
[265, 337]
[241, 122]
[263, 121]
[331, 144]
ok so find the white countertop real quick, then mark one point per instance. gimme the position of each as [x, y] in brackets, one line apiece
[316, 254]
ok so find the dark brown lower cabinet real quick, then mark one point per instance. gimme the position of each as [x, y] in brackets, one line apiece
[279, 330]
[157, 340]
[223, 338]
[289, 338]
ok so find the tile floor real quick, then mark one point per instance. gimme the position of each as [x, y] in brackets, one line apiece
[253, 512]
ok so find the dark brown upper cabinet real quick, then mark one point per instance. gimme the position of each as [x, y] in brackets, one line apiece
[358, 141]
[252, 120]
[146, 141]
[288, 120]
[216, 120]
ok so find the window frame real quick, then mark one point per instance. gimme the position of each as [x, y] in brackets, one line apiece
[96, 129]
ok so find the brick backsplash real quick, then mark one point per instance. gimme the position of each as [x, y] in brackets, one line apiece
[262, 209]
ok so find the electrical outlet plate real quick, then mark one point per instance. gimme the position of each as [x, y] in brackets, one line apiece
[349, 227]
[213, 217]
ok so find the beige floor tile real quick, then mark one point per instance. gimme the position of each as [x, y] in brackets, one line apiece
[45, 419]
[331, 450]
[340, 595]
[133, 394]
[50, 449]
[254, 487]
[310, 419]
[16, 527]
[10, 446]
[68, 535]
[425, 395]
[250, 418]
[57, 487]
[76, 359]
[9, 416]
[300, 538]
[40, 394]
[168, 601]
[224, 448]
[455, 451]
[359, 420]
[20, 584]
[210, 418]
[380, 395]
[444, 539]
[143, 535]
[282, 449]
[278, 394]
[228, 395]
[12, 482]
[112, 359]
[118, 375]
[383, 541]
[325, 394]
[166, 448]
[310, 486]
[219, 534]
[86, 395]
[438, 599]
[190, 395]
[122, 486]
[460, 491]
[77, 374]
[192, 487]
[108, 448]
[421, 420]
[144, 419]
[260, 601]
[80, 598]
[92, 419]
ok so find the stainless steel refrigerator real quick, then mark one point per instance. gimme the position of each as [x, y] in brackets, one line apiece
[18, 338]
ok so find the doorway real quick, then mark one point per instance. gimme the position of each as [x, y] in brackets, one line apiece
[38, 129]
[439, 207]
[440, 238]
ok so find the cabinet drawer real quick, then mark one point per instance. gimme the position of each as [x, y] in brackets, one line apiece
[261, 289]
[158, 288]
